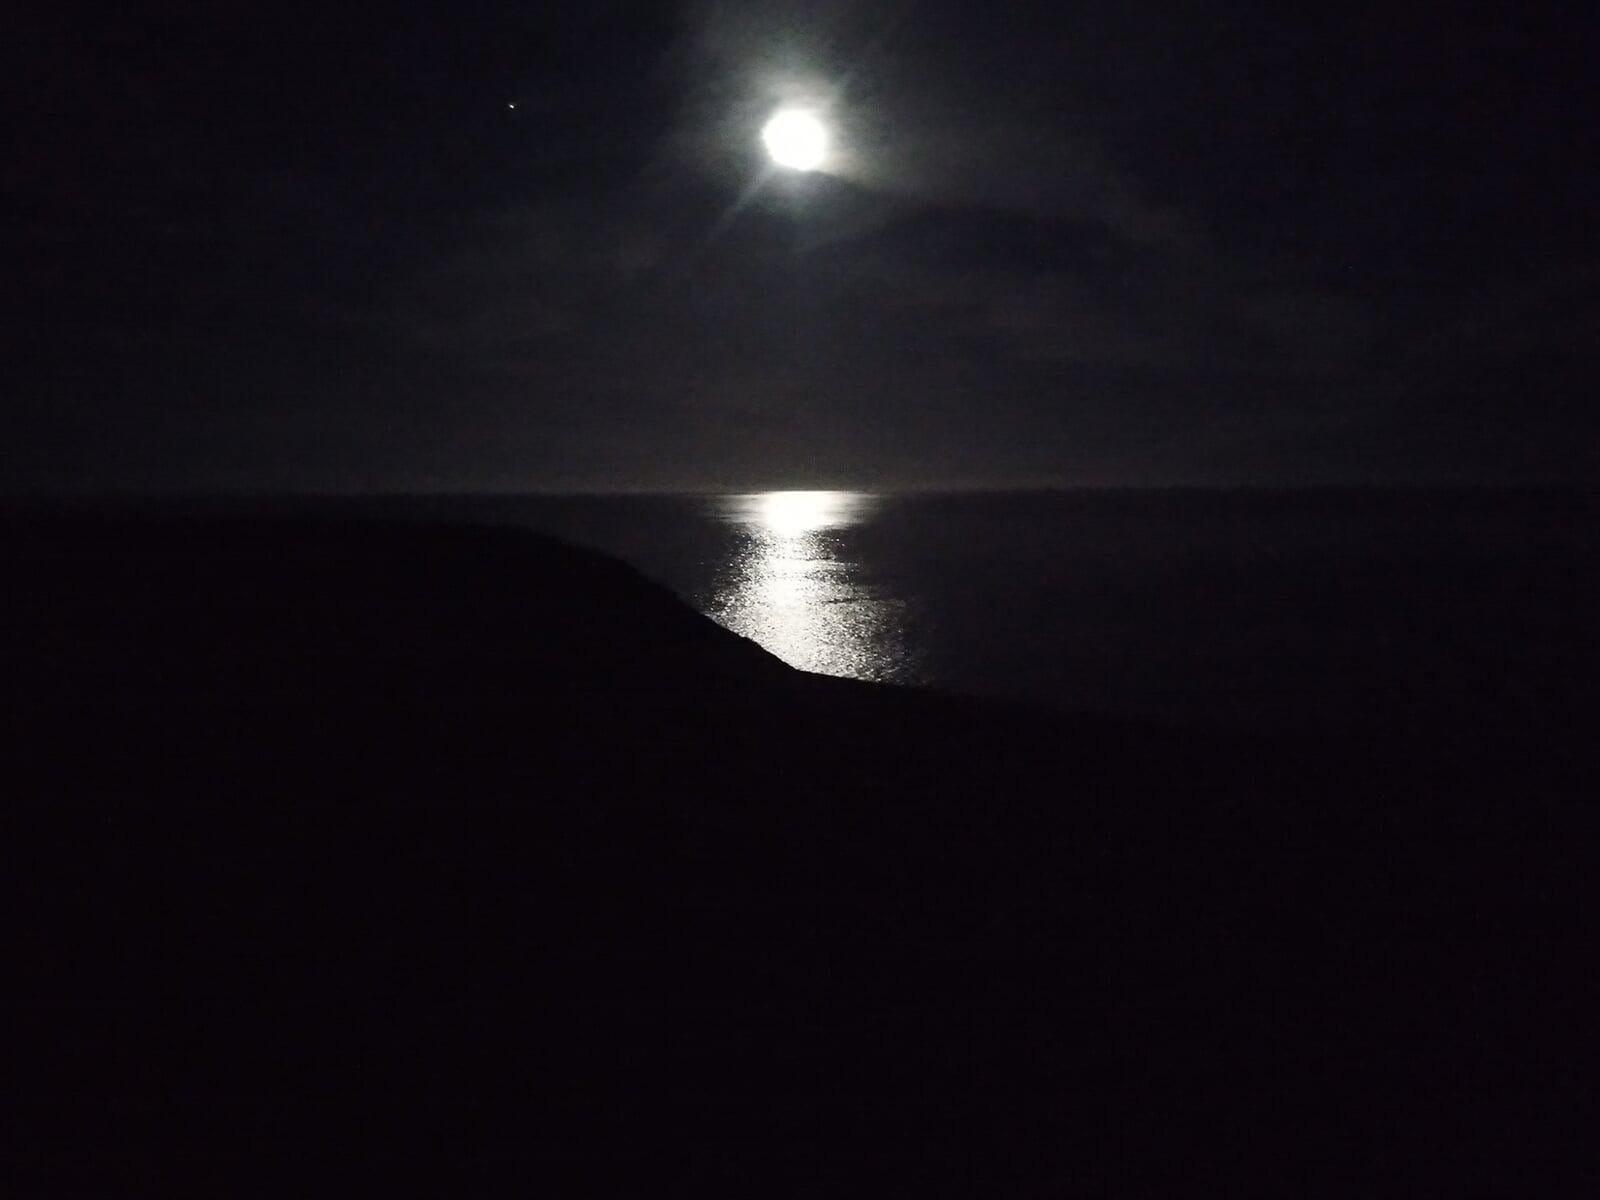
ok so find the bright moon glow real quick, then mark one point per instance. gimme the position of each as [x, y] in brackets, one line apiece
[796, 139]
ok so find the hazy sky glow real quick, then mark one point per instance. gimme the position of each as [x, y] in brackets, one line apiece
[487, 245]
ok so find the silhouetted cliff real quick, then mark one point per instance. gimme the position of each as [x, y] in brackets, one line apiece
[360, 857]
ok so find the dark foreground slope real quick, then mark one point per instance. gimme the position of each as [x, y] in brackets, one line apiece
[363, 859]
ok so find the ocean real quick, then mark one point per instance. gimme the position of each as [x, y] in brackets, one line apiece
[1309, 610]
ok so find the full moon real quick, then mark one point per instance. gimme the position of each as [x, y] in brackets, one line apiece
[796, 140]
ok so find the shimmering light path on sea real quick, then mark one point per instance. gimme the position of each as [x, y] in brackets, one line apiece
[792, 587]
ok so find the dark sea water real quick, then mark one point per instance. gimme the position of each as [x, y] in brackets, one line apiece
[1246, 609]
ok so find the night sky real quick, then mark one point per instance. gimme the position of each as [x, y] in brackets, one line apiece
[540, 247]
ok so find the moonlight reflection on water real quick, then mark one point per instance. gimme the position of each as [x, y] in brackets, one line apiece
[794, 588]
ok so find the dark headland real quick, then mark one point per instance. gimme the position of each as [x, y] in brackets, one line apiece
[362, 858]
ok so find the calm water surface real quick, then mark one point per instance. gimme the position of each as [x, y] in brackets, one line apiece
[792, 585]
[1239, 608]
